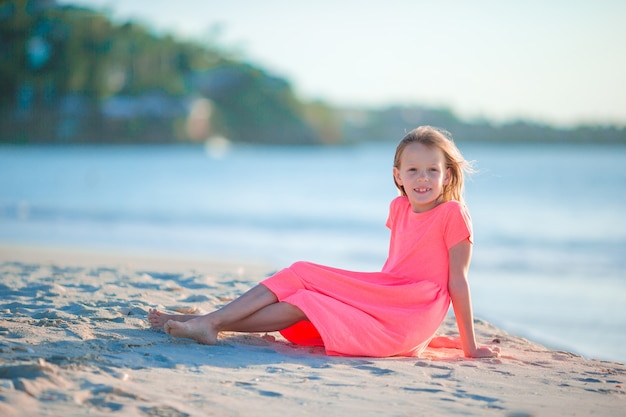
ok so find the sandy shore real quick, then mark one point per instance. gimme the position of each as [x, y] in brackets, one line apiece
[74, 341]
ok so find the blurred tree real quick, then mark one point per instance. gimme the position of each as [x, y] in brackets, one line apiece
[70, 74]
[326, 121]
[254, 106]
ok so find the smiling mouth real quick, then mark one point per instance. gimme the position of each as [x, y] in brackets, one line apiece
[422, 189]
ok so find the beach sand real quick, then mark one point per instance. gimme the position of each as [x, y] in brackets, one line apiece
[74, 341]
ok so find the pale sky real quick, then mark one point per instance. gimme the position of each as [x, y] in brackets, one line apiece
[553, 61]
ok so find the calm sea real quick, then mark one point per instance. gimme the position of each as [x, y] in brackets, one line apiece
[550, 235]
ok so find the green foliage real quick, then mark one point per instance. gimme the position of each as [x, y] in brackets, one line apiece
[392, 124]
[70, 74]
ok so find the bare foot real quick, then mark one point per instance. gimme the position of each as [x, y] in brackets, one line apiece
[158, 319]
[198, 329]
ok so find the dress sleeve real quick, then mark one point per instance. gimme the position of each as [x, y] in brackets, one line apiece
[393, 208]
[458, 225]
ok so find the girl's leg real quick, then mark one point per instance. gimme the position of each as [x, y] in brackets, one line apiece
[256, 311]
[269, 319]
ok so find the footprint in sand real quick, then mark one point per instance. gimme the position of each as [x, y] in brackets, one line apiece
[162, 411]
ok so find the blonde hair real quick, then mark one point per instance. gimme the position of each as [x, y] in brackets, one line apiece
[442, 139]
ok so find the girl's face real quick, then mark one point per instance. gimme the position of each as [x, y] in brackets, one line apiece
[423, 174]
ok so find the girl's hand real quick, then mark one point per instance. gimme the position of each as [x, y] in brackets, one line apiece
[485, 352]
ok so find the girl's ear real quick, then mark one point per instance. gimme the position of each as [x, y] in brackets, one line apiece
[447, 177]
[396, 176]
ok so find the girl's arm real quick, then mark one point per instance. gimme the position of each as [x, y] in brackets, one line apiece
[458, 287]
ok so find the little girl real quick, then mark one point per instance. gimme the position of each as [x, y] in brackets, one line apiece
[395, 312]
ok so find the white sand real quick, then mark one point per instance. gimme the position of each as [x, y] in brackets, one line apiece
[74, 341]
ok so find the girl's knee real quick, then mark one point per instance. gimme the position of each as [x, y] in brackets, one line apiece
[298, 265]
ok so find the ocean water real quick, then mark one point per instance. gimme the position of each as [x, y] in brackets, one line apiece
[550, 236]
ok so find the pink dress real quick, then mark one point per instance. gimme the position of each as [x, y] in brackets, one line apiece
[394, 312]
